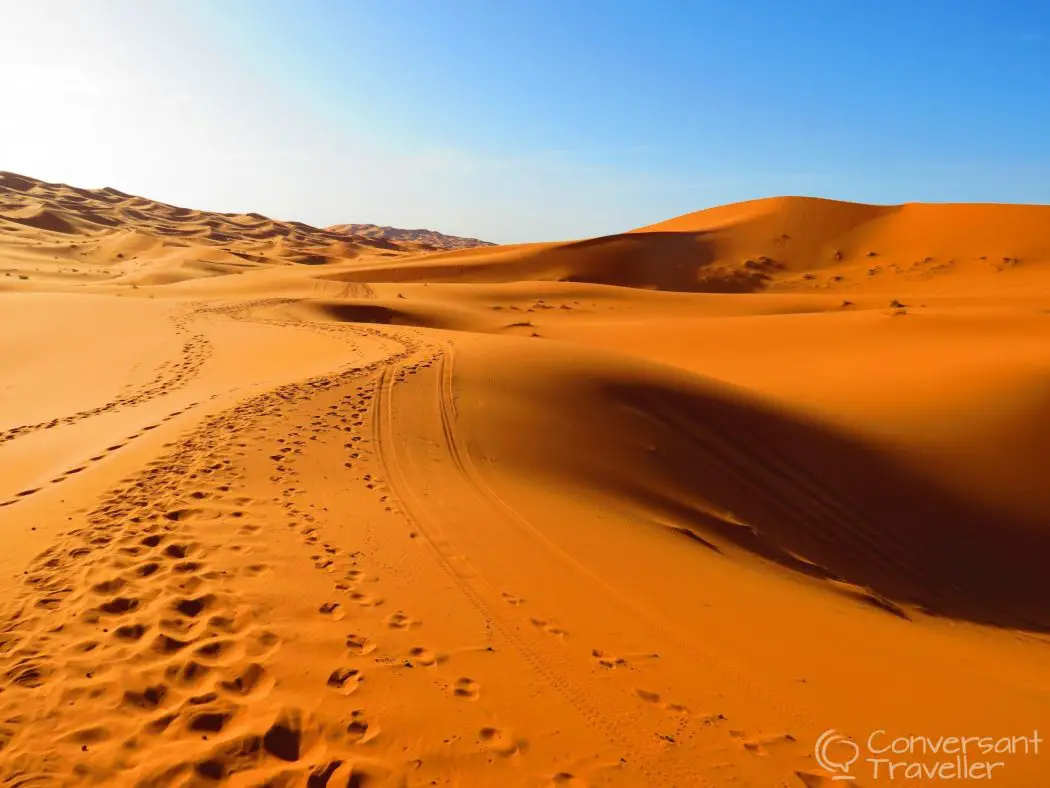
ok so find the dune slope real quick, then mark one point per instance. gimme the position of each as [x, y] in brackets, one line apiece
[426, 240]
[779, 244]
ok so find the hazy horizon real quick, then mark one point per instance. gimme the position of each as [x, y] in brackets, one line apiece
[527, 122]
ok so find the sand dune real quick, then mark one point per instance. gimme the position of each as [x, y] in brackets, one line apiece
[426, 240]
[107, 234]
[283, 506]
[779, 244]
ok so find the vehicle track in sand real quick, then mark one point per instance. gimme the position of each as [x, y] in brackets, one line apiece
[539, 642]
[530, 635]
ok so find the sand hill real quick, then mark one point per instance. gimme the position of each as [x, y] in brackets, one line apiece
[425, 240]
[102, 231]
[784, 244]
[283, 506]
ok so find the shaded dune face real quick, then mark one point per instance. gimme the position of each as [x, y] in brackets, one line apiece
[683, 262]
[378, 314]
[731, 469]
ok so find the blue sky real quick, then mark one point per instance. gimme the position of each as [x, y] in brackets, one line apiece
[517, 121]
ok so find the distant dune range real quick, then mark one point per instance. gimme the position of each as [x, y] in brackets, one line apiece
[427, 240]
[177, 243]
[360, 506]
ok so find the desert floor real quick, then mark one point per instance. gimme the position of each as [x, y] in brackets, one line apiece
[278, 508]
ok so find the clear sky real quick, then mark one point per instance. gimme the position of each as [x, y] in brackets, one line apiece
[516, 120]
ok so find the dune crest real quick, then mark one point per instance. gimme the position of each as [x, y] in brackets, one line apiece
[782, 244]
[426, 240]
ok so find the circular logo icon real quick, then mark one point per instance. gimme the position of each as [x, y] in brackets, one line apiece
[836, 753]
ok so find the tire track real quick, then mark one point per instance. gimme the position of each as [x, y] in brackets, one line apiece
[543, 660]
[550, 663]
[484, 490]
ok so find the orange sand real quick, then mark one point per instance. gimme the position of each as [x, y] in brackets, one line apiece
[295, 507]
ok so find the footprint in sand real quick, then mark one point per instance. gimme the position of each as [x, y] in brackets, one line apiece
[759, 745]
[466, 688]
[400, 621]
[424, 656]
[220, 651]
[510, 599]
[107, 587]
[191, 607]
[566, 780]
[360, 645]
[333, 610]
[500, 742]
[548, 627]
[648, 697]
[119, 606]
[252, 681]
[345, 680]
[359, 730]
[654, 698]
[364, 600]
[147, 699]
[187, 675]
[210, 718]
[262, 643]
[608, 661]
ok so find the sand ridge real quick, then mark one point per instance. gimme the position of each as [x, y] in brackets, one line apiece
[288, 507]
[107, 235]
[427, 240]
